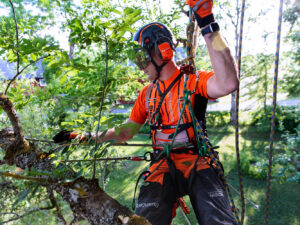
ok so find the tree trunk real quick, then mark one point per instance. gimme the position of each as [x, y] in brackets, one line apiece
[233, 109]
[233, 95]
[85, 197]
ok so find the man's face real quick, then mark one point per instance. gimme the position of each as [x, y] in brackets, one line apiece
[151, 72]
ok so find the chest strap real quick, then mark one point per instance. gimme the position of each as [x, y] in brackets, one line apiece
[156, 115]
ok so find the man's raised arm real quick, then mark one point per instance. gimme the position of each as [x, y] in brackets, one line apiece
[225, 79]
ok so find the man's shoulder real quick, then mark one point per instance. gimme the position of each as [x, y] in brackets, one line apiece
[203, 72]
[147, 88]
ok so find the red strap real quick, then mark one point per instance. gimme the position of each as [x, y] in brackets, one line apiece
[136, 158]
[184, 207]
[73, 135]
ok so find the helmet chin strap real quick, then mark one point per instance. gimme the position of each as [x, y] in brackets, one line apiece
[158, 69]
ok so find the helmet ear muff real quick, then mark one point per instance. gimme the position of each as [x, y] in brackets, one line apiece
[163, 49]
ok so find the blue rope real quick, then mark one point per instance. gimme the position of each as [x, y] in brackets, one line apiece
[273, 114]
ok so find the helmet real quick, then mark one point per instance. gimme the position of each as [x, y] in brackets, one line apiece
[156, 35]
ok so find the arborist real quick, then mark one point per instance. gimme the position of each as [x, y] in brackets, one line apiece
[178, 168]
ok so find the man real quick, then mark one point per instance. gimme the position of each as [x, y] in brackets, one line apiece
[182, 171]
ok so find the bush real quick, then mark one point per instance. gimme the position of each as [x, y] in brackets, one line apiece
[286, 118]
[217, 118]
[286, 160]
[253, 165]
[287, 157]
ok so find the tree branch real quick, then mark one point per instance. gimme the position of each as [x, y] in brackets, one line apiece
[20, 177]
[19, 72]
[185, 60]
[102, 100]
[61, 218]
[25, 214]
[8, 107]
[17, 36]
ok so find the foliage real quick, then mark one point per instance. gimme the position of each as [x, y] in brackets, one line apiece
[291, 77]
[257, 73]
[285, 165]
[217, 118]
[286, 117]
[75, 83]
[287, 161]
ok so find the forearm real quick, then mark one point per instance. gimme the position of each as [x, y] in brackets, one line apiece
[225, 80]
[111, 135]
[119, 133]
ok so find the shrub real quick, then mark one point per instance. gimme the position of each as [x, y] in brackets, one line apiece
[286, 118]
[286, 160]
[217, 118]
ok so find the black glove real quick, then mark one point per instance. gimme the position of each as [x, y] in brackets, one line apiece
[64, 135]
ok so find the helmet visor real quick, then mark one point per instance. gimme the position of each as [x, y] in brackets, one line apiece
[142, 58]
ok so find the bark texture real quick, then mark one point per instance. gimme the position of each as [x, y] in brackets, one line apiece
[86, 199]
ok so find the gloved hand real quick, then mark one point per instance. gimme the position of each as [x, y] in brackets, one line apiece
[202, 10]
[66, 135]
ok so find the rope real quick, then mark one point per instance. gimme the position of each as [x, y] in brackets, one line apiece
[273, 113]
[237, 114]
[205, 148]
[220, 172]
[189, 41]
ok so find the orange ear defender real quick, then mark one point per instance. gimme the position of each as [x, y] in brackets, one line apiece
[165, 51]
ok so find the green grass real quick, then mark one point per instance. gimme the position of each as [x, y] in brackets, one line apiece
[285, 198]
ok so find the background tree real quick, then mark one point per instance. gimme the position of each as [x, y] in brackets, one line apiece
[291, 77]
[37, 166]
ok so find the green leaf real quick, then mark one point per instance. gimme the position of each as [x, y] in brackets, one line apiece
[67, 123]
[11, 56]
[128, 10]
[65, 149]
[117, 11]
[33, 57]
[21, 197]
[63, 79]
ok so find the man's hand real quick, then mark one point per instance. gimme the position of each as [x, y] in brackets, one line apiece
[66, 135]
[202, 10]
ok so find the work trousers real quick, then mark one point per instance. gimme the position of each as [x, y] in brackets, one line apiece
[207, 194]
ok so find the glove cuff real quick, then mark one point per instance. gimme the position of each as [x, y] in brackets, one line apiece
[202, 22]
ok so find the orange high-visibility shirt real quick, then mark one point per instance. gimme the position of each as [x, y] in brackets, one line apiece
[169, 109]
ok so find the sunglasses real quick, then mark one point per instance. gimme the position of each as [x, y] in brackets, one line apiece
[142, 58]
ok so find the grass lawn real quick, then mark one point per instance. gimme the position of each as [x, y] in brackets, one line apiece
[285, 198]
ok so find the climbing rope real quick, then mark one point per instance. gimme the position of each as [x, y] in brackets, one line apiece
[273, 114]
[205, 146]
[237, 114]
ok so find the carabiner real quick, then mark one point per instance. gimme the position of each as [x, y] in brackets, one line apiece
[155, 113]
[148, 156]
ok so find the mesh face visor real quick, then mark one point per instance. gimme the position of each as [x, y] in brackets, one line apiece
[142, 58]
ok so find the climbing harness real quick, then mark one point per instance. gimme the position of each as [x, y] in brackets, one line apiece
[237, 115]
[202, 144]
[268, 193]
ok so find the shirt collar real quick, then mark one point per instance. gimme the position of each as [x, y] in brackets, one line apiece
[171, 79]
